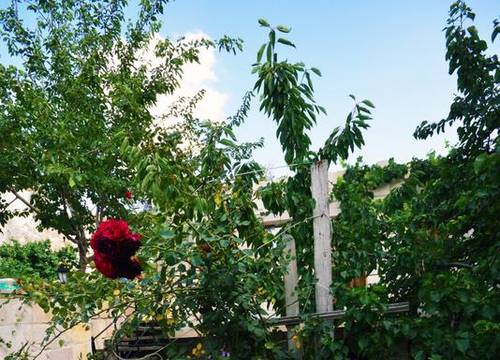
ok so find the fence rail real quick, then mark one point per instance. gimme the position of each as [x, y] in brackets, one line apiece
[395, 308]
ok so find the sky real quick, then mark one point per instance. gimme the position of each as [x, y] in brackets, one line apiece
[391, 52]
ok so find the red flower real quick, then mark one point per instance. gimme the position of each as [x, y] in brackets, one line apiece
[114, 245]
[104, 265]
[128, 195]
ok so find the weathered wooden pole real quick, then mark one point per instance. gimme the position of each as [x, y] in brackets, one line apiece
[291, 297]
[322, 237]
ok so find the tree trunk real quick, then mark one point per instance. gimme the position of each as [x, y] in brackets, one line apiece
[82, 253]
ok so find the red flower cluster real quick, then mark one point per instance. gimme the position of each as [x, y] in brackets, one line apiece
[114, 246]
[128, 195]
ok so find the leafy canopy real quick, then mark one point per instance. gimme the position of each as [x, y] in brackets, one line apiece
[79, 86]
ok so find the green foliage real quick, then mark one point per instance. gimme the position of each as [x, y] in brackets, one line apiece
[274, 196]
[34, 259]
[209, 263]
[476, 109]
[434, 239]
[287, 96]
[358, 249]
[433, 242]
[442, 255]
[226, 264]
[81, 86]
[344, 140]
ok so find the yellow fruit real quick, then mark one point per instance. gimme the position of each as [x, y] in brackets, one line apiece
[218, 199]
[116, 292]
[296, 342]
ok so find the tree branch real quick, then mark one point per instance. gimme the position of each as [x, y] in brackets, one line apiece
[97, 216]
[23, 200]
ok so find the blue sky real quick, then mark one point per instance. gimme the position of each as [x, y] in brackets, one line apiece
[391, 52]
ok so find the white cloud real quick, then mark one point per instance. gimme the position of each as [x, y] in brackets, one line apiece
[196, 76]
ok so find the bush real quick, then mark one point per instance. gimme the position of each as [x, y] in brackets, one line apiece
[33, 259]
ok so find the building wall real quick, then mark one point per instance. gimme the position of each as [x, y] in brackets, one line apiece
[21, 323]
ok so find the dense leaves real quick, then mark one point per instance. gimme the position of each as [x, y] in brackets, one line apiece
[434, 239]
[84, 78]
[476, 110]
[34, 259]
[287, 96]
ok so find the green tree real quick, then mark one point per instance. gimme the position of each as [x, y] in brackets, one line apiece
[77, 89]
[34, 259]
[447, 221]
[287, 97]
[434, 239]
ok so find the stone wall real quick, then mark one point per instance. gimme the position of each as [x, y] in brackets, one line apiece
[20, 324]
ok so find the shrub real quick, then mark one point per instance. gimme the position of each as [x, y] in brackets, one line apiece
[33, 259]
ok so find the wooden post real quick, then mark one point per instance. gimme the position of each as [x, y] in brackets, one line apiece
[322, 236]
[291, 297]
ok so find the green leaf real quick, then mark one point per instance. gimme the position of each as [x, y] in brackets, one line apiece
[167, 234]
[362, 342]
[261, 52]
[283, 29]
[124, 145]
[71, 182]
[228, 143]
[479, 162]
[496, 30]
[269, 345]
[269, 53]
[368, 103]
[170, 259]
[316, 71]
[286, 42]
[263, 22]
[272, 37]
[435, 357]
[462, 345]
[196, 260]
